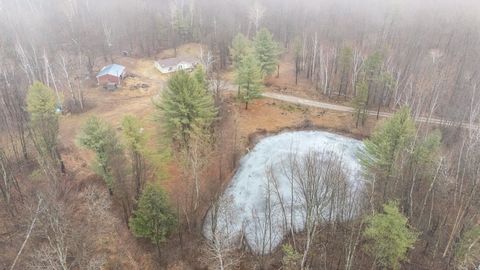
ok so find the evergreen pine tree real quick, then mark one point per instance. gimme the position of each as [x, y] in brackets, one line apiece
[42, 109]
[201, 78]
[372, 68]
[186, 107]
[359, 103]
[249, 79]
[241, 47]
[382, 149]
[426, 152]
[153, 218]
[390, 237]
[266, 51]
[41, 101]
[100, 137]
[136, 140]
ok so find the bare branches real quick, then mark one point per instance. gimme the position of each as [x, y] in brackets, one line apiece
[8, 182]
[321, 190]
[317, 177]
[208, 60]
[255, 15]
[29, 232]
[222, 250]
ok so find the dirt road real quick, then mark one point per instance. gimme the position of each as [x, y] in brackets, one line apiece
[341, 108]
[329, 106]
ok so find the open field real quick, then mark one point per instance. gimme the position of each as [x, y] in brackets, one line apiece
[130, 99]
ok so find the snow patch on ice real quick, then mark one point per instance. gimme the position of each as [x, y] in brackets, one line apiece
[242, 208]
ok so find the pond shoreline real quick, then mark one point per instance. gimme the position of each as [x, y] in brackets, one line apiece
[255, 137]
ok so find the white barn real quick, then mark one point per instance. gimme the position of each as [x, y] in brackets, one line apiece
[170, 65]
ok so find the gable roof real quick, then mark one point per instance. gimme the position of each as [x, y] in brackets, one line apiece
[170, 62]
[113, 69]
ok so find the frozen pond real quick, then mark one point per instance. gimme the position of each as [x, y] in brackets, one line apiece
[252, 210]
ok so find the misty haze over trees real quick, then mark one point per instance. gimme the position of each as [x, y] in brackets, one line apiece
[93, 179]
[429, 45]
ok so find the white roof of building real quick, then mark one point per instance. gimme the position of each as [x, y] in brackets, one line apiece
[171, 62]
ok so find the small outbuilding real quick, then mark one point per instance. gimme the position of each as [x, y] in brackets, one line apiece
[170, 65]
[111, 75]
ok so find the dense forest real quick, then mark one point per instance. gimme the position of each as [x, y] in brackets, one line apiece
[81, 189]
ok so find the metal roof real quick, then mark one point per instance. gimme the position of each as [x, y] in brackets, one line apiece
[170, 62]
[113, 69]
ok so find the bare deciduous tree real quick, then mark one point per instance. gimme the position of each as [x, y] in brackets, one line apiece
[255, 16]
[222, 247]
[320, 185]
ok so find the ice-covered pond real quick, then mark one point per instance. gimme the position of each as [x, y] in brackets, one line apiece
[263, 203]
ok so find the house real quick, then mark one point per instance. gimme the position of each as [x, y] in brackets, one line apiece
[175, 64]
[111, 75]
